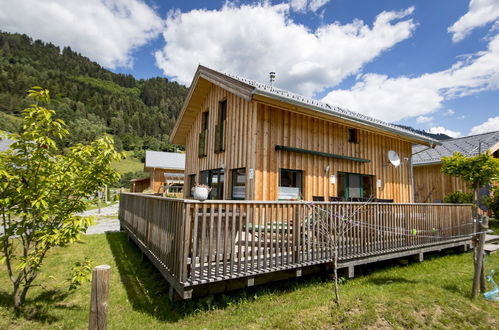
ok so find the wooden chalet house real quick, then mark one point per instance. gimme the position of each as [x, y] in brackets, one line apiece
[166, 171]
[267, 153]
[431, 185]
[256, 142]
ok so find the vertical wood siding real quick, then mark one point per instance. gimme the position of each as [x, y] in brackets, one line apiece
[280, 127]
[239, 140]
[253, 130]
[431, 185]
[157, 176]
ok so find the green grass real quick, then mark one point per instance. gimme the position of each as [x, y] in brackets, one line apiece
[434, 293]
[128, 164]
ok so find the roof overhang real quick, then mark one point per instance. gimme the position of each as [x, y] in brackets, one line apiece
[205, 78]
[200, 87]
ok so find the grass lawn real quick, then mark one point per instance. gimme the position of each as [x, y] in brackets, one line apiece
[434, 293]
[128, 164]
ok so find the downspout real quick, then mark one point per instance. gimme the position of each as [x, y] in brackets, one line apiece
[411, 179]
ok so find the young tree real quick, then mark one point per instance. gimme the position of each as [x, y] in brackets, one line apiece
[477, 172]
[42, 189]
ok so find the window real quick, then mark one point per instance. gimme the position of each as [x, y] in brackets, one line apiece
[220, 127]
[239, 183]
[290, 184]
[353, 135]
[355, 186]
[215, 180]
[203, 134]
[192, 183]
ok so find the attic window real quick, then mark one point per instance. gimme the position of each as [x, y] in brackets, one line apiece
[353, 135]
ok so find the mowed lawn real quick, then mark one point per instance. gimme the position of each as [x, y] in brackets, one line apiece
[434, 293]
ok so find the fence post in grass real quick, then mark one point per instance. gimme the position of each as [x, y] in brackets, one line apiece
[99, 298]
[478, 256]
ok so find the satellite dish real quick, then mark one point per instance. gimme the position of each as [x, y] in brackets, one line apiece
[394, 158]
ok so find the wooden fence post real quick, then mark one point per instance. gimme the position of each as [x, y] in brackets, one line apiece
[478, 257]
[99, 298]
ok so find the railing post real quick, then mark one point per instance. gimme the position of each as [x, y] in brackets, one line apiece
[99, 298]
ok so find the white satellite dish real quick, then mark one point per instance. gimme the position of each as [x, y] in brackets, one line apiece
[394, 158]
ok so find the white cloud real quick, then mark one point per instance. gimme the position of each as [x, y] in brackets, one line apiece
[304, 5]
[492, 124]
[314, 5]
[449, 112]
[392, 99]
[252, 40]
[443, 130]
[106, 31]
[480, 12]
[424, 120]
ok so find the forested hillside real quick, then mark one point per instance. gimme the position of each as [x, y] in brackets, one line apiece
[90, 99]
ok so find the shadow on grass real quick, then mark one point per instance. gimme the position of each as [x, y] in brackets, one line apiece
[38, 308]
[391, 280]
[147, 290]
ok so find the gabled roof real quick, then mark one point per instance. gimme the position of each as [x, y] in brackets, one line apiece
[469, 146]
[248, 89]
[166, 160]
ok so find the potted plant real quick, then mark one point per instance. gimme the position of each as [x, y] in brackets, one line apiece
[201, 192]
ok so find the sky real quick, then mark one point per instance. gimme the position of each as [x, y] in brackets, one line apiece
[433, 65]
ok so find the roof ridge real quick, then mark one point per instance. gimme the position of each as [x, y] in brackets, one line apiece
[468, 136]
[321, 104]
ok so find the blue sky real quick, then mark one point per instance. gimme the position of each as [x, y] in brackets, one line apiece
[433, 65]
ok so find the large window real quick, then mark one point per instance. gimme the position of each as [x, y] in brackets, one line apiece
[215, 180]
[220, 128]
[239, 183]
[353, 186]
[290, 184]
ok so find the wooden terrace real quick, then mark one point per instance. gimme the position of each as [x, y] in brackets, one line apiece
[215, 246]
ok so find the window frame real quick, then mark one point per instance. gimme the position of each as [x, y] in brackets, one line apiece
[362, 189]
[233, 180]
[220, 127]
[301, 182]
[353, 135]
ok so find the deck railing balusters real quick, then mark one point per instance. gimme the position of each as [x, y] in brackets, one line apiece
[201, 242]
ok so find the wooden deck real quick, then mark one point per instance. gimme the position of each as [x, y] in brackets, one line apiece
[214, 246]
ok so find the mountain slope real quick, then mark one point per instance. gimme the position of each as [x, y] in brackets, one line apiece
[90, 99]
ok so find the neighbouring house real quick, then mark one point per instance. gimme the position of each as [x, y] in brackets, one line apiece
[140, 184]
[252, 141]
[166, 171]
[431, 185]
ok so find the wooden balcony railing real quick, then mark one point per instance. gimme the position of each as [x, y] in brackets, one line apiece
[201, 242]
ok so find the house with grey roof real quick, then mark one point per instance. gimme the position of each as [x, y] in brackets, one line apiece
[430, 185]
[249, 140]
[166, 170]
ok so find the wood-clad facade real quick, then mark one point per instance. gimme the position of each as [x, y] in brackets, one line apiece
[265, 139]
[431, 185]
[158, 178]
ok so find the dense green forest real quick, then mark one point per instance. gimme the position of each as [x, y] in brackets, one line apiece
[140, 114]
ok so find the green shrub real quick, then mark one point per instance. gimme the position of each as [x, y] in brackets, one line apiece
[459, 197]
[492, 202]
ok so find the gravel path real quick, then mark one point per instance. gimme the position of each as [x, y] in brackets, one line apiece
[106, 221]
